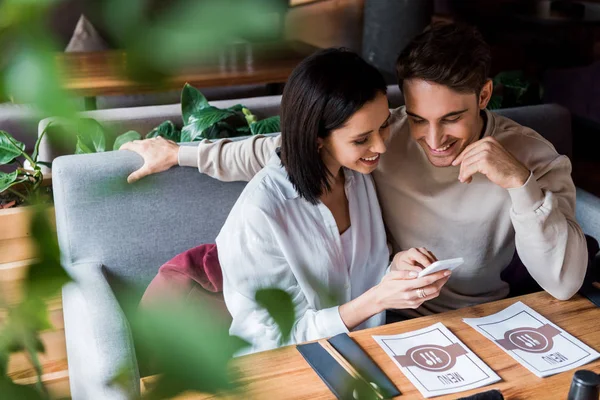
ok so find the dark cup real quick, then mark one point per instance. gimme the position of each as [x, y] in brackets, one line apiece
[584, 386]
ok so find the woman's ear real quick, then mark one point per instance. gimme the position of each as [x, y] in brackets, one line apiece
[486, 94]
[319, 143]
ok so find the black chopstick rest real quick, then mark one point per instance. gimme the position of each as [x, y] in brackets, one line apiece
[333, 374]
[363, 364]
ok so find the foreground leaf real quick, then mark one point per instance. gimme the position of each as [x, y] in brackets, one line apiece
[10, 148]
[192, 101]
[280, 307]
[129, 136]
[46, 276]
[10, 390]
[267, 125]
[196, 358]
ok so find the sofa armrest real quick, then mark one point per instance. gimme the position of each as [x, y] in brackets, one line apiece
[587, 212]
[98, 338]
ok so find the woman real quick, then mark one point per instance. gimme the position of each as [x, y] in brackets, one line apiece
[310, 223]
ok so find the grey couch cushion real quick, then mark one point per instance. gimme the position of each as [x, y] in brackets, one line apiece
[551, 121]
[133, 229]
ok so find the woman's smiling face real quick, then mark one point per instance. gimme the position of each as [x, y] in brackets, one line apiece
[359, 143]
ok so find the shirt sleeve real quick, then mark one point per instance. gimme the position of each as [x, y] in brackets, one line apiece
[251, 259]
[548, 239]
[228, 160]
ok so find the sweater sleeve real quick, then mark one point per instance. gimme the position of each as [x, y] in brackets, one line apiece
[548, 239]
[228, 160]
[251, 260]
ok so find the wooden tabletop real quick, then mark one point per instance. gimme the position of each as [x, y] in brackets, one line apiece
[284, 374]
[107, 72]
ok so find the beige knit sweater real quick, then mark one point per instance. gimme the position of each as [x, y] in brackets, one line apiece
[427, 206]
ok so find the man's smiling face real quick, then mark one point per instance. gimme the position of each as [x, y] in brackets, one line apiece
[443, 121]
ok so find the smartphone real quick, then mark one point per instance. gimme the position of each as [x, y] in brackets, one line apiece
[441, 265]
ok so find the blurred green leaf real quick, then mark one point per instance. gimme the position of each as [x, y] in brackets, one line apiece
[12, 391]
[10, 148]
[195, 358]
[267, 125]
[129, 136]
[7, 180]
[32, 78]
[167, 129]
[192, 101]
[280, 307]
[46, 276]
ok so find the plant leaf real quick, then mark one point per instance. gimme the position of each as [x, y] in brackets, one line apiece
[81, 148]
[203, 119]
[9, 148]
[36, 148]
[267, 125]
[280, 307]
[192, 101]
[7, 180]
[92, 133]
[129, 136]
[167, 129]
[495, 102]
[195, 359]
[46, 276]
[250, 118]
[11, 390]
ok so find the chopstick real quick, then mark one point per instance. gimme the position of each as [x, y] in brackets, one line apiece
[347, 366]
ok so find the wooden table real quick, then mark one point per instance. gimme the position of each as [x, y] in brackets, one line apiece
[284, 374]
[107, 72]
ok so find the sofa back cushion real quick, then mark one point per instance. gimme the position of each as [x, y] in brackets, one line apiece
[133, 229]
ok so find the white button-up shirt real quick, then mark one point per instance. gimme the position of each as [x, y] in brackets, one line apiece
[273, 238]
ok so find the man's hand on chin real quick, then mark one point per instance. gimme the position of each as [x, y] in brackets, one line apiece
[158, 153]
[490, 158]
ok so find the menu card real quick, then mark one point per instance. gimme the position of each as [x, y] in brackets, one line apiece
[532, 340]
[436, 361]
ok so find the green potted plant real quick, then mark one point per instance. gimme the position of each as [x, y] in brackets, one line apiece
[19, 190]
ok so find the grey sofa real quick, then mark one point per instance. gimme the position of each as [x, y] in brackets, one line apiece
[112, 233]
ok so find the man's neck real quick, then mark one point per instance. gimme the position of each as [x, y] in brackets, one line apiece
[482, 123]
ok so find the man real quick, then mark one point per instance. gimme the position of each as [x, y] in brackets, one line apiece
[457, 178]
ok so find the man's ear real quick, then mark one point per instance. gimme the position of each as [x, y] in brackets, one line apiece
[486, 94]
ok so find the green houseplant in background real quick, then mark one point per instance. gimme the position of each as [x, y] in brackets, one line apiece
[200, 121]
[514, 89]
[21, 186]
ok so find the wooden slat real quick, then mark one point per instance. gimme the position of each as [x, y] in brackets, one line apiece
[14, 222]
[55, 377]
[17, 249]
[56, 349]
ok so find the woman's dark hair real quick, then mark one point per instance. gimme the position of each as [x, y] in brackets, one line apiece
[452, 55]
[321, 94]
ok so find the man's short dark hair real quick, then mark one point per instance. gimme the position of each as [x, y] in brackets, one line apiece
[321, 94]
[452, 55]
